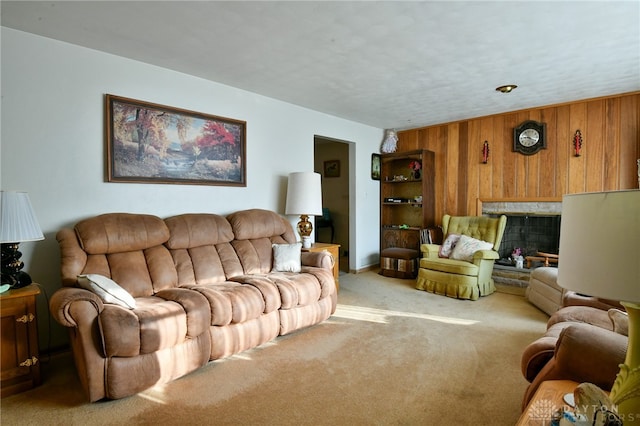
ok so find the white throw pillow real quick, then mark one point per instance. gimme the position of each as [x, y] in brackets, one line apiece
[448, 245]
[466, 246]
[286, 257]
[107, 290]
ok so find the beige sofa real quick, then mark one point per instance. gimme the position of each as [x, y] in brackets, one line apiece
[203, 287]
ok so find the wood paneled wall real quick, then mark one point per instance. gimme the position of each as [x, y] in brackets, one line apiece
[610, 128]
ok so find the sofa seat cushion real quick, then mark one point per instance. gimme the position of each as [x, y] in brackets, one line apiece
[450, 266]
[233, 302]
[155, 324]
[302, 289]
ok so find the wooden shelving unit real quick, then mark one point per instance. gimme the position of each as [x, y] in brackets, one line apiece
[406, 200]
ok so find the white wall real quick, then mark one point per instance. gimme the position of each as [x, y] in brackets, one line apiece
[52, 145]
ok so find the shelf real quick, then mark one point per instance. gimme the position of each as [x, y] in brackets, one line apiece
[402, 204]
[397, 228]
[404, 181]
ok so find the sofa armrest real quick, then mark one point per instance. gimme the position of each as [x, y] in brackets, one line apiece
[430, 250]
[319, 259]
[583, 353]
[61, 301]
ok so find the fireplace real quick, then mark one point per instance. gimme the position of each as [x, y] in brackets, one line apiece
[532, 225]
[531, 233]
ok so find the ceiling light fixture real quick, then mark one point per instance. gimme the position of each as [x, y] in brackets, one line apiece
[507, 88]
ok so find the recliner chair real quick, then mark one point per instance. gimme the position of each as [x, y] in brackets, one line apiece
[466, 272]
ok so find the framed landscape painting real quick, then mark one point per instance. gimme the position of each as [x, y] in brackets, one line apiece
[151, 143]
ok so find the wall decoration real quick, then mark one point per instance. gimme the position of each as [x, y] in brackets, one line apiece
[577, 143]
[485, 152]
[529, 137]
[151, 143]
[332, 168]
[375, 166]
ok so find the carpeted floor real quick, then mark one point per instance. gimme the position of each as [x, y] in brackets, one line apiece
[391, 355]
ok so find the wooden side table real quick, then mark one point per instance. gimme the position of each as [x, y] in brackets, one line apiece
[19, 363]
[334, 250]
[547, 399]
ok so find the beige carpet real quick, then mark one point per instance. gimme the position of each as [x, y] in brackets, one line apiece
[391, 355]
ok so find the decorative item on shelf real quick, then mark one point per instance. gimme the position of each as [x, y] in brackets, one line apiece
[614, 276]
[304, 198]
[390, 143]
[18, 224]
[577, 143]
[415, 167]
[485, 152]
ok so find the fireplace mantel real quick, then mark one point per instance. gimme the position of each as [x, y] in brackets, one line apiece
[547, 206]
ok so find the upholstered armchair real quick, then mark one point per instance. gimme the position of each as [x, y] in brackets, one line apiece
[462, 265]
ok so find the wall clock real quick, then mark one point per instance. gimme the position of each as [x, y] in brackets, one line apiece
[529, 137]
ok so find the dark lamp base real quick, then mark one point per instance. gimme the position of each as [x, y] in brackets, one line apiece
[12, 273]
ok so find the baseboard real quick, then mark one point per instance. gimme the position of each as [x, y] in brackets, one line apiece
[374, 267]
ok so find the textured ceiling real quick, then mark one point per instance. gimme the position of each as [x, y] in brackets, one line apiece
[387, 64]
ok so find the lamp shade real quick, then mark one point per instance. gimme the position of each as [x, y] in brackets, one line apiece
[600, 244]
[304, 194]
[18, 222]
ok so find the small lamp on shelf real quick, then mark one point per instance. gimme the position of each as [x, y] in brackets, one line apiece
[610, 223]
[304, 198]
[18, 224]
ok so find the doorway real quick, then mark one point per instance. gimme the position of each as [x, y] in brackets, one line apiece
[331, 160]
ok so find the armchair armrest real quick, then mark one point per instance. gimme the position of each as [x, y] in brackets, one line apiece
[430, 250]
[486, 255]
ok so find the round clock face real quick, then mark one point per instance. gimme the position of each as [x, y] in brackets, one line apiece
[529, 137]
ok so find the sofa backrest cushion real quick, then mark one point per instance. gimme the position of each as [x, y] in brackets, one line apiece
[121, 232]
[128, 248]
[255, 231]
[200, 245]
[196, 230]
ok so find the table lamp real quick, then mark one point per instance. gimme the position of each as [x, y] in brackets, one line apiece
[304, 198]
[18, 223]
[600, 256]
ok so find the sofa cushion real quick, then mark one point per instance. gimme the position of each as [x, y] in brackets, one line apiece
[232, 302]
[450, 266]
[257, 223]
[585, 314]
[467, 246]
[108, 290]
[286, 257]
[121, 232]
[620, 321]
[155, 324]
[196, 230]
[201, 249]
